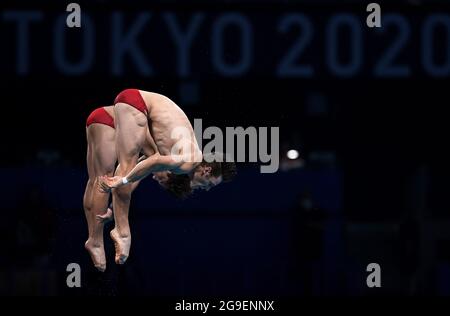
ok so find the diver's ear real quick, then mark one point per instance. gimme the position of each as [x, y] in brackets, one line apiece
[206, 170]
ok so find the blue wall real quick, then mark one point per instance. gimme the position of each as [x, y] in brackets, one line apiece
[64, 188]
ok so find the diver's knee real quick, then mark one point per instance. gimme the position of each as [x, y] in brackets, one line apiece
[123, 193]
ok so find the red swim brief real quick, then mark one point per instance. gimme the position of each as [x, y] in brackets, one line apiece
[132, 97]
[100, 116]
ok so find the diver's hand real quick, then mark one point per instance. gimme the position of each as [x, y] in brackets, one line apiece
[105, 183]
[107, 217]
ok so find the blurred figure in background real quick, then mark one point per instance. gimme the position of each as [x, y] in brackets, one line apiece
[33, 229]
[409, 246]
[307, 248]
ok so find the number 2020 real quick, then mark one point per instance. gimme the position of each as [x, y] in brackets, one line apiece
[385, 66]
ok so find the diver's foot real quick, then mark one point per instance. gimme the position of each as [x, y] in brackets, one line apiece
[122, 245]
[97, 253]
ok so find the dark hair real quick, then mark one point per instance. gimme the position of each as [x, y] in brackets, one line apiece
[179, 185]
[225, 169]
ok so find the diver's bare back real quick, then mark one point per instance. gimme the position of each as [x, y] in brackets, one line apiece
[163, 117]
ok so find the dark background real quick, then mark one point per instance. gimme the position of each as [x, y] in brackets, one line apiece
[365, 108]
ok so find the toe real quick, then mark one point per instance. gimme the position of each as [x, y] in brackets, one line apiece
[101, 267]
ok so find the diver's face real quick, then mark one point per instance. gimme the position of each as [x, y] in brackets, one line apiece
[203, 180]
[203, 183]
